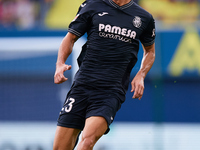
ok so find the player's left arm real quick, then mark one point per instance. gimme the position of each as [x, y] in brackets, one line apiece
[146, 64]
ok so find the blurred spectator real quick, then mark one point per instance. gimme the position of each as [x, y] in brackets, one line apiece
[7, 14]
[22, 14]
[25, 13]
[42, 8]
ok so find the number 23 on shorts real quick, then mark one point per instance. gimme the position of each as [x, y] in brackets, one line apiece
[69, 104]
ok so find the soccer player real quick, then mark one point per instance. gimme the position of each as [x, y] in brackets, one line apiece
[114, 29]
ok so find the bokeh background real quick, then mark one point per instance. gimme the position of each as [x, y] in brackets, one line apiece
[167, 117]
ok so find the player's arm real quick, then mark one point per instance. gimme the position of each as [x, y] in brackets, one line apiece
[63, 53]
[146, 64]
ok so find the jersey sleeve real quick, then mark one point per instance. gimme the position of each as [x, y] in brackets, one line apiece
[81, 22]
[148, 36]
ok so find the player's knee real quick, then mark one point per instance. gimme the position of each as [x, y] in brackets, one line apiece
[89, 142]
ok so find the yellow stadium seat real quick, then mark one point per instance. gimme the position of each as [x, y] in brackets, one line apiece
[62, 13]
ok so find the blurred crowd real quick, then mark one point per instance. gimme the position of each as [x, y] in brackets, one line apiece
[23, 14]
[31, 14]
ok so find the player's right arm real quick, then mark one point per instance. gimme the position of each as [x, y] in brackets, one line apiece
[77, 28]
[63, 53]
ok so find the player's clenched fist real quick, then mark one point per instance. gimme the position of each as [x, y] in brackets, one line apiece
[59, 73]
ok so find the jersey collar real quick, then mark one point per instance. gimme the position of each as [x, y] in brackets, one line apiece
[121, 7]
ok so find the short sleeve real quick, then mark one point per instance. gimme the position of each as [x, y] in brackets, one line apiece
[81, 22]
[148, 36]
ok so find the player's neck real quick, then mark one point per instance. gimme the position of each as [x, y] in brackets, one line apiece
[121, 2]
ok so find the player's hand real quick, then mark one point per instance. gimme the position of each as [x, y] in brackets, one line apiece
[137, 86]
[59, 73]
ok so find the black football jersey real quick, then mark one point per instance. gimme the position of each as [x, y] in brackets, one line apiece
[112, 44]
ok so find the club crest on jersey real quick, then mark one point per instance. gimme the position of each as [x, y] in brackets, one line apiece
[137, 22]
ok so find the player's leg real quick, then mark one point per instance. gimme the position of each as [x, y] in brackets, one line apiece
[65, 138]
[94, 128]
[71, 118]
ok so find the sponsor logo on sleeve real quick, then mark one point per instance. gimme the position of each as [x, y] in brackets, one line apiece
[153, 33]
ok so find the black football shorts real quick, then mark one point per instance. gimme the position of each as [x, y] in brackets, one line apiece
[84, 101]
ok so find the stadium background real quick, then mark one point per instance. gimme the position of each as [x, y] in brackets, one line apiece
[167, 117]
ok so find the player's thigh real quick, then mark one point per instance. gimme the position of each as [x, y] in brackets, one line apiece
[65, 138]
[95, 127]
